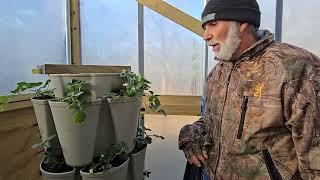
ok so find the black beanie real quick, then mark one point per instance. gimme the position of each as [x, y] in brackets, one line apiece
[246, 11]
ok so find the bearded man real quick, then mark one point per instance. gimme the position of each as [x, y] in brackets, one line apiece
[261, 118]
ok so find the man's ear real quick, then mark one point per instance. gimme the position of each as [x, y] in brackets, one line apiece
[243, 27]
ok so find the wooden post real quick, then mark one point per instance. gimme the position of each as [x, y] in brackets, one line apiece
[75, 32]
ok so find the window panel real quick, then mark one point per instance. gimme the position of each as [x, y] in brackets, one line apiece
[173, 56]
[32, 32]
[301, 24]
[109, 32]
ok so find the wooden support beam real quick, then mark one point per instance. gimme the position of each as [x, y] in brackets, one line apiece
[18, 105]
[75, 69]
[18, 102]
[174, 14]
[177, 105]
[22, 97]
[75, 32]
[173, 105]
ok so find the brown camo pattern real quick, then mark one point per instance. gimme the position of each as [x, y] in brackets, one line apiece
[282, 86]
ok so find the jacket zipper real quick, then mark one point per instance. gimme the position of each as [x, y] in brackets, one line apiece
[224, 103]
[272, 169]
[242, 116]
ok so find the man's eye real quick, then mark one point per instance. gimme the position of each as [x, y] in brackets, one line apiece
[213, 23]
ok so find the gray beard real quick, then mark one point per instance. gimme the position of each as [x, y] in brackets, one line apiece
[231, 44]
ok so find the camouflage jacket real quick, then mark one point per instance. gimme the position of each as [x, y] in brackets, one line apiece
[261, 115]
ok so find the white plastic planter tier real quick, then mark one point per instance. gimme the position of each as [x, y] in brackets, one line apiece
[136, 165]
[116, 173]
[125, 116]
[44, 119]
[105, 131]
[57, 176]
[98, 83]
[77, 139]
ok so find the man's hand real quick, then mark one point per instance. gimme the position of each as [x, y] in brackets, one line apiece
[197, 159]
[195, 156]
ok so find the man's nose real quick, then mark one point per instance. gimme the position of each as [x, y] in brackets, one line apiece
[206, 35]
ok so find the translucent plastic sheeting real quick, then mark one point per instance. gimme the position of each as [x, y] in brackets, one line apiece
[32, 32]
[301, 24]
[109, 32]
[173, 54]
[192, 8]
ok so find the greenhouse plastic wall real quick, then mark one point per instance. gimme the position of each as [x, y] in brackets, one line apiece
[301, 24]
[173, 54]
[109, 37]
[32, 32]
[109, 32]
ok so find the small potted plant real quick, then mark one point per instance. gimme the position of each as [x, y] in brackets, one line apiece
[76, 121]
[53, 166]
[113, 165]
[137, 157]
[41, 93]
[125, 106]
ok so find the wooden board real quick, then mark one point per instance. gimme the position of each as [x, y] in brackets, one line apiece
[177, 105]
[74, 69]
[18, 105]
[184, 100]
[75, 32]
[19, 102]
[175, 15]
[22, 97]
[17, 135]
[173, 105]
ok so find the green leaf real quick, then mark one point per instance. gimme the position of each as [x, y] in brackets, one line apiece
[80, 116]
[111, 94]
[143, 138]
[136, 85]
[151, 98]
[77, 93]
[4, 101]
[148, 140]
[162, 112]
[157, 102]
[44, 142]
[33, 85]
[46, 83]
[74, 91]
